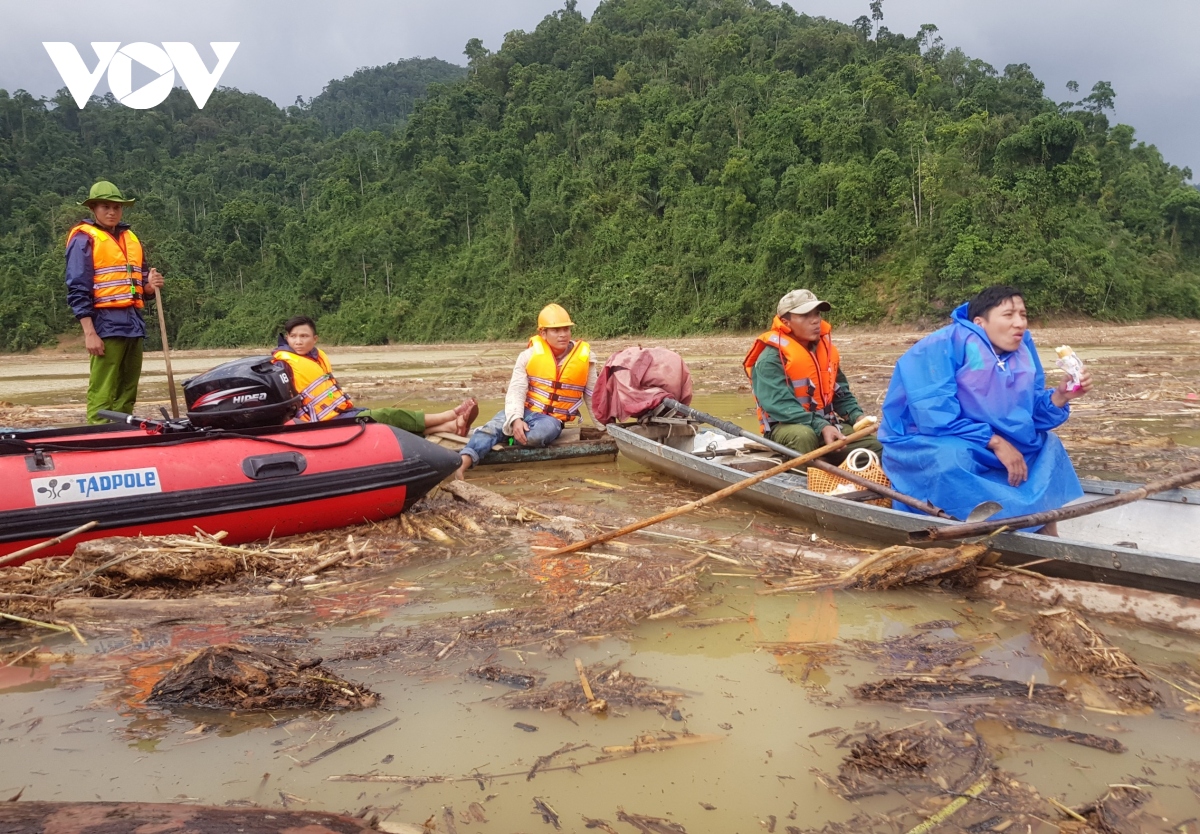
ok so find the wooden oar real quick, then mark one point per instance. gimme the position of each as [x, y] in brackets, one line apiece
[162, 329]
[716, 496]
[963, 531]
[852, 477]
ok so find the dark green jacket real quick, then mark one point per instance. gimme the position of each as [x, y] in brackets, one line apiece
[774, 395]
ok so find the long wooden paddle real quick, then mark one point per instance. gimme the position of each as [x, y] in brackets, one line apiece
[963, 531]
[879, 489]
[162, 329]
[718, 495]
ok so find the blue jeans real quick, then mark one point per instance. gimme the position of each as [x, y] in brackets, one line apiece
[543, 430]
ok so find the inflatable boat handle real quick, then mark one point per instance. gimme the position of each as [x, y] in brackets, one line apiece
[118, 417]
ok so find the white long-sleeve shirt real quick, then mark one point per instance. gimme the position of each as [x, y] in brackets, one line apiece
[518, 386]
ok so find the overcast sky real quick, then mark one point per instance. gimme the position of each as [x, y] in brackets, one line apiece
[1147, 50]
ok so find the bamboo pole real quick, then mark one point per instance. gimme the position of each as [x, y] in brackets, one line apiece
[962, 531]
[162, 329]
[34, 548]
[852, 477]
[880, 489]
[716, 496]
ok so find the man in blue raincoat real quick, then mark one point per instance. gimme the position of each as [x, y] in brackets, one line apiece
[968, 418]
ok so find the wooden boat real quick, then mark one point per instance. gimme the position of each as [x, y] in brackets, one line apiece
[578, 444]
[1152, 544]
[251, 483]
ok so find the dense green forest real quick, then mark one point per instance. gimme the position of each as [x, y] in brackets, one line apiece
[668, 167]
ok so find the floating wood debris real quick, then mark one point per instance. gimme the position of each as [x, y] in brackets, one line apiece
[354, 739]
[548, 814]
[647, 743]
[1078, 647]
[650, 825]
[1105, 743]
[499, 674]
[606, 683]
[230, 677]
[920, 653]
[594, 704]
[946, 767]
[1116, 812]
[897, 566]
[977, 686]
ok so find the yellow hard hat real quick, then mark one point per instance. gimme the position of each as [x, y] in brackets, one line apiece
[553, 315]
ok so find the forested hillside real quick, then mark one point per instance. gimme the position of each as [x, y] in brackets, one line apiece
[378, 98]
[670, 166]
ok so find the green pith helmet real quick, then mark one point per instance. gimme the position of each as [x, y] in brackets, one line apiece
[105, 191]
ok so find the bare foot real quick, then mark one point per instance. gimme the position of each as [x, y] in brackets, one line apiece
[462, 469]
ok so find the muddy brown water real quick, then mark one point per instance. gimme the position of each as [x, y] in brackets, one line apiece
[71, 730]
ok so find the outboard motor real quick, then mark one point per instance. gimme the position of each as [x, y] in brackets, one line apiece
[242, 394]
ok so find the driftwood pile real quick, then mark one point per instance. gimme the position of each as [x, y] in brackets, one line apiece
[896, 567]
[229, 677]
[184, 566]
[1078, 647]
[947, 776]
[607, 684]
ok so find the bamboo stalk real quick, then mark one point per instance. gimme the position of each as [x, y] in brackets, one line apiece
[981, 528]
[718, 495]
[954, 805]
[38, 623]
[34, 548]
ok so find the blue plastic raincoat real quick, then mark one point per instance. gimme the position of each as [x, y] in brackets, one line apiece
[950, 392]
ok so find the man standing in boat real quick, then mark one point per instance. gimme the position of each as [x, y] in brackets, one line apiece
[551, 379]
[321, 398]
[107, 285]
[968, 418]
[804, 400]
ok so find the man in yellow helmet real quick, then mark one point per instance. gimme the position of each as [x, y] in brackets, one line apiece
[552, 378]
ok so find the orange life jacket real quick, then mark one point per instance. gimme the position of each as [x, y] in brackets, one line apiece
[321, 398]
[116, 264]
[556, 389]
[811, 373]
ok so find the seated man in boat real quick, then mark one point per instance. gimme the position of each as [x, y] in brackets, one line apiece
[967, 416]
[323, 399]
[804, 400]
[551, 379]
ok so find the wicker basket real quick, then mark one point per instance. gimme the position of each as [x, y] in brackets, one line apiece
[823, 482]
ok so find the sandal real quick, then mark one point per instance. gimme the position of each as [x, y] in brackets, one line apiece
[464, 416]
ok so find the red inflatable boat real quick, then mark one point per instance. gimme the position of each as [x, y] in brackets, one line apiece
[251, 482]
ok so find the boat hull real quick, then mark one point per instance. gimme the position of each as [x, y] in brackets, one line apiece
[250, 484]
[1176, 571]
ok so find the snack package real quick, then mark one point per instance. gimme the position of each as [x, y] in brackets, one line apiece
[1070, 362]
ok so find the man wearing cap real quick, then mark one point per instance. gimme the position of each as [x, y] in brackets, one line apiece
[107, 284]
[804, 399]
[551, 379]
